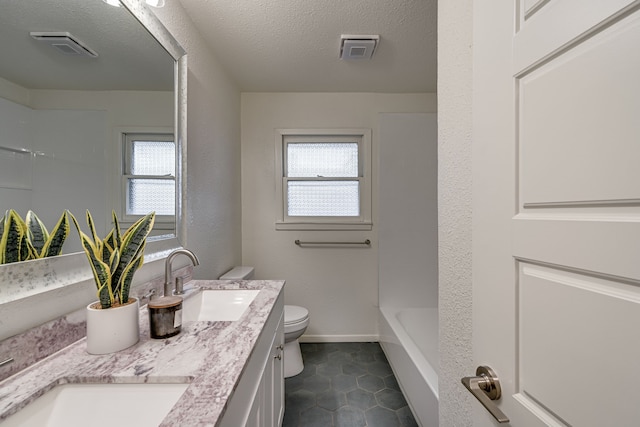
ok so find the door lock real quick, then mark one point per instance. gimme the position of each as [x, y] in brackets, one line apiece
[485, 386]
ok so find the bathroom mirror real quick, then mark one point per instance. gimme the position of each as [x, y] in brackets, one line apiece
[62, 116]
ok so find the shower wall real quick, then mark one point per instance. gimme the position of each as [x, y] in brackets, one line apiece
[408, 223]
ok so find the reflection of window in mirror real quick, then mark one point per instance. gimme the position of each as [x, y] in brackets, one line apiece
[149, 174]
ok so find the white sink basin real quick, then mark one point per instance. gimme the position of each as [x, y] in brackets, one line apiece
[217, 305]
[97, 405]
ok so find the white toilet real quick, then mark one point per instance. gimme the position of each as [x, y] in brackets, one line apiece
[296, 320]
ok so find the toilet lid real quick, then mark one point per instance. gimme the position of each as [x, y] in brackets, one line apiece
[295, 314]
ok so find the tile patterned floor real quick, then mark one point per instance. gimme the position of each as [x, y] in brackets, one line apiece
[345, 385]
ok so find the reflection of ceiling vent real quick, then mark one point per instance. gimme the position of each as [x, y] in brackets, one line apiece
[64, 42]
[358, 47]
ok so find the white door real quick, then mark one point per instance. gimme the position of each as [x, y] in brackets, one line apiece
[556, 211]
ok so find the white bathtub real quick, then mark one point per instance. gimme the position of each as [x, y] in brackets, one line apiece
[409, 338]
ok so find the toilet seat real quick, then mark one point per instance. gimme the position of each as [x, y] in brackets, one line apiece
[295, 314]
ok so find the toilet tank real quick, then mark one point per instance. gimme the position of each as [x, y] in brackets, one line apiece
[238, 273]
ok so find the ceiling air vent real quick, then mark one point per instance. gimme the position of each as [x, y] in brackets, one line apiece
[64, 42]
[357, 47]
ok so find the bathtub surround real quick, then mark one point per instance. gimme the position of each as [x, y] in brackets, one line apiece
[408, 219]
[408, 257]
[409, 337]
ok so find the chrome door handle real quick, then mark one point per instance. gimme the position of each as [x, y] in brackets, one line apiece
[485, 386]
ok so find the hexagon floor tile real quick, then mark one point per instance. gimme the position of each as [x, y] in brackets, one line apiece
[345, 385]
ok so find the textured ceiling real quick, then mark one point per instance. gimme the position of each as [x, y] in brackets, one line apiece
[129, 57]
[293, 45]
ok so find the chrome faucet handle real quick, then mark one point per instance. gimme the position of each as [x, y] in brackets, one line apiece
[179, 286]
[168, 270]
[149, 295]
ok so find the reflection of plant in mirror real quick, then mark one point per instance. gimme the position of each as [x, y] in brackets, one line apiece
[115, 259]
[22, 241]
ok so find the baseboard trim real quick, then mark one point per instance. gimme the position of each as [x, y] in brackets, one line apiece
[339, 338]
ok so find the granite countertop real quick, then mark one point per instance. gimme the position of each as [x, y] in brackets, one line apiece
[208, 355]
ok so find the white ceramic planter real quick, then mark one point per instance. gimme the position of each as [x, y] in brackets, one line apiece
[113, 329]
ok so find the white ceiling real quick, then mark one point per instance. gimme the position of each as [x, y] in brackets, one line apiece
[129, 58]
[293, 45]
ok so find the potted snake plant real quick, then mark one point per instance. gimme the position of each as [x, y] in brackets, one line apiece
[112, 321]
[26, 240]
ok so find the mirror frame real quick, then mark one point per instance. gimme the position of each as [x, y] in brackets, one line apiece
[29, 278]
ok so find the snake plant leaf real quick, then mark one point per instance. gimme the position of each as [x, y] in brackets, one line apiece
[2, 228]
[96, 240]
[109, 246]
[114, 260]
[100, 270]
[101, 274]
[55, 240]
[116, 230]
[38, 234]
[127, 277]
[131, 244]
[14, 239]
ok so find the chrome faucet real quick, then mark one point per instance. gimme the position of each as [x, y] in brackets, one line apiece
[167, 267]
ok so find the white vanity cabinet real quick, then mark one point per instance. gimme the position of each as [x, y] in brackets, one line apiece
[258, 400]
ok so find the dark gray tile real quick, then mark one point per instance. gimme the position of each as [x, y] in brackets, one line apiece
[370, 383]
[390, 399]
[316, 417]
[331, 347]
[299, 400]
[363, 357]
[345, 385]
[308, 371]
[391, 382]
[291, 418]
[316, 357]
[353, 368]
[405, 416]
[339, 357]
[309, 348]
[343, 382]
[379, 368]
[317, 383]
[331, 400]
[293, 383]
[349, 347]
[349, 416]
[329, 369]
[361, 399]
[381, 417]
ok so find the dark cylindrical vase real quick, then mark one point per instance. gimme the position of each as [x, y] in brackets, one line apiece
[165, 317]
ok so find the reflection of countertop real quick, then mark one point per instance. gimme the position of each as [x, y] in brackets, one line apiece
[209, 355]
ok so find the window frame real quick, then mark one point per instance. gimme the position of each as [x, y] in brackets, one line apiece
[127, 137]
[362, 137]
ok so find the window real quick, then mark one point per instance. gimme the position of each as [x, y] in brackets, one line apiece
[149, 176]
[324, 179]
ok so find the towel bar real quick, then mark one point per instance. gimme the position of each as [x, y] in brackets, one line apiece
[366, 243]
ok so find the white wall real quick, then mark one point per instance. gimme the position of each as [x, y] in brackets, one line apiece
[213, 169]
[408, 210]
[454, 209]
[339, 286]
